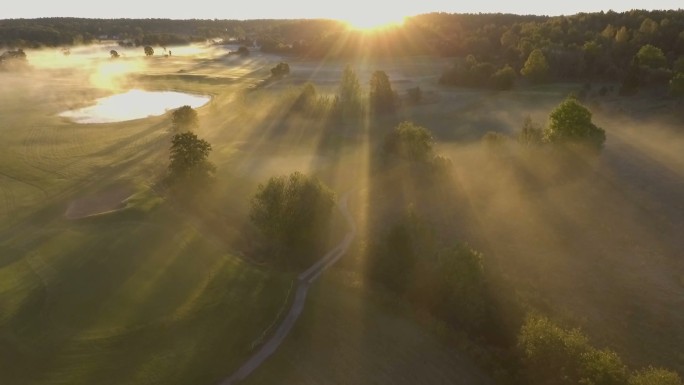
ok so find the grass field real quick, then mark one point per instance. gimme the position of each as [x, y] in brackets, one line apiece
[146, 295]
[349, 334]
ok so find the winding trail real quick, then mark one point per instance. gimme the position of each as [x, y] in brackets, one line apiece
[304, 280]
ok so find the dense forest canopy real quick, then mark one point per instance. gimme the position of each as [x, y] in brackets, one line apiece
[586, 46]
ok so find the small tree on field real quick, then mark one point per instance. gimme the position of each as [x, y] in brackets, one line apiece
[570, 122]
[292, 212]
[113, 54]
[184, 118]
[536, 67]
[382, 96]
[148, 51]
[189, 156]
[280, 70]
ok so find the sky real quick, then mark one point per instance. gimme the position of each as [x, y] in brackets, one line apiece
[350, 10]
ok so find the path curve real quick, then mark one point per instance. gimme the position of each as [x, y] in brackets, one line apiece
[304, 280]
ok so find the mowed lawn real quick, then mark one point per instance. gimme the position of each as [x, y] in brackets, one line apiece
[351, 334]
[120, 301]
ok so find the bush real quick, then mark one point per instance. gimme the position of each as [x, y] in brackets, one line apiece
[504, 78]
[184, 118]
[570, 123]
[280, 70]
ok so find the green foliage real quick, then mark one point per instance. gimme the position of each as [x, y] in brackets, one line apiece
[280, 70]
[602, 367]
[503, 79]
[651, 57]
[531, 134]
[382, 97]
[189, 157]
[149, 51]
[347, 104]
[292, 213]
[184, 119]
[655, 376]
[677, 84]
[550, 354]
[410, 141]
[472, 73]
[460, 285]
[536, 67]
[570, 122]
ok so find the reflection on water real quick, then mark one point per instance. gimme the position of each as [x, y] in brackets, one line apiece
[134, 104]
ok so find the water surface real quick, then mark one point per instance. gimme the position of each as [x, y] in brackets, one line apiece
[134, 104]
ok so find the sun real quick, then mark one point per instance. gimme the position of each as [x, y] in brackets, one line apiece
[370, 22]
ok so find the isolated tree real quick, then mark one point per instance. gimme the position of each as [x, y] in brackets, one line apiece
[307, 97]
[184, 119]
[189, 156]
[536, 67]
[655, 376]
[382, 96]
[652, 57]
[113, 54]
[410, 141]
[280, 70]
[292, 213]
[148, 50]
[347, 103]
[570, 122]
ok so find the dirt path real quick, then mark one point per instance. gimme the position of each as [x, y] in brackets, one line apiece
[304, 280]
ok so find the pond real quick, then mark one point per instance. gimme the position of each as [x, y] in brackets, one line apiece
[134, 104]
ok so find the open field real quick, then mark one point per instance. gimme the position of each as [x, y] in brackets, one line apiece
[152, 294]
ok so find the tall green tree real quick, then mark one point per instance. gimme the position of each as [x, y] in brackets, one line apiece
[655, 376]
[536, 67]
[382, 97]
[571, 123]
[292, 213]
[189, 156]
[347, 103]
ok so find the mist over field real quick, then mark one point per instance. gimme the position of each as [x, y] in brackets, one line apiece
[466, 199]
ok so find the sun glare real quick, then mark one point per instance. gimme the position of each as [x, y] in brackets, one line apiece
[371, 22]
